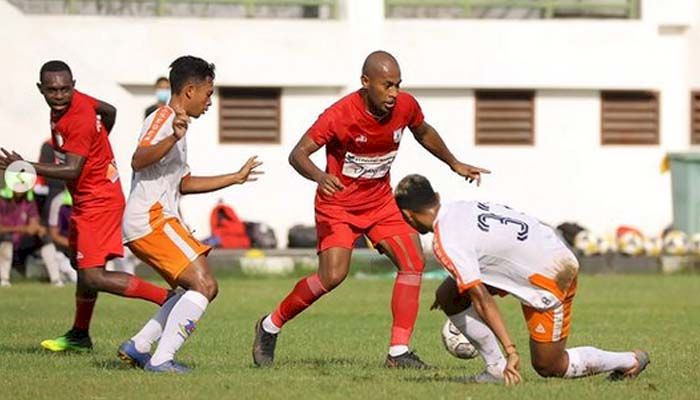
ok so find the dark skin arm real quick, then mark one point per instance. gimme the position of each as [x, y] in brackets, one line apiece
[68, 171]
[107, 113]
[428, 137]
[487, 309]
[204, 184]
[299, 159]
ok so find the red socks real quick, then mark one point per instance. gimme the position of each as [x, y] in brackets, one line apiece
[83, 313]
[305, 292]
[404, 306]
[140, 289]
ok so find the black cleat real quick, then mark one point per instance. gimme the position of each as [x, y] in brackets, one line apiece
[408, 359]
[263, 346]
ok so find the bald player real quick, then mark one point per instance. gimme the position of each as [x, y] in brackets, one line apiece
[361, 133]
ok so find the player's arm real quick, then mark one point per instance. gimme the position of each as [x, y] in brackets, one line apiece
[146, 155]
[487, 309]
[107, 113]
[429, 138]
[300, 159]
[67, 171]
[203, 184]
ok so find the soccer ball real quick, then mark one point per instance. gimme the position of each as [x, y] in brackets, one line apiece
[695, 244]
[588, 243]
[653, 246]
[456, 344]
[676, 243]
[630, 243]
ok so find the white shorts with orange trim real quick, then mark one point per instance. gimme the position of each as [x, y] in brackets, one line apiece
[168, 249]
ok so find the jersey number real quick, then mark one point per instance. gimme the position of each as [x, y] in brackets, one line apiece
[485, 218]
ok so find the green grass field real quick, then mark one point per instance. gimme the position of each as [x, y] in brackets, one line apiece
[336, 349]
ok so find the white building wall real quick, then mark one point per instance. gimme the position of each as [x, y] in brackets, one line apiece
[566, 175]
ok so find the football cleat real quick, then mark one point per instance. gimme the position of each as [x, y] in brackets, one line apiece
[129, 354]
[263, 345]
[71, 341]
[408, 359]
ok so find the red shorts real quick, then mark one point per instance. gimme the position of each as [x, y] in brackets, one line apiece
[96, 237]
[339, 227]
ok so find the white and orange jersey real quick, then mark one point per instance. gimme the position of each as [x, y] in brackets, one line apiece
[155, 190]
[505, 249]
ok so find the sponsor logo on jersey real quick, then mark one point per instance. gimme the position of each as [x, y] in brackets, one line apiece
[397, 135]
[361, 139]
[540, 329]
[59, 139]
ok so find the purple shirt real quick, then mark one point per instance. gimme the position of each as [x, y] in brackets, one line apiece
[16, 213]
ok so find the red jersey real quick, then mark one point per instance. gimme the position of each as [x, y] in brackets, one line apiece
[80, 132]
[360, 149]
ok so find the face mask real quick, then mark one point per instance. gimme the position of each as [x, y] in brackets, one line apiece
[163, 95]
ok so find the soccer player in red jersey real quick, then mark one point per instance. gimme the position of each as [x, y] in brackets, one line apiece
[362, 133]
[87, 165]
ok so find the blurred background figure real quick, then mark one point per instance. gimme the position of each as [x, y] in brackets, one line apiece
[60, 210]
[162, 92]
[21, 235]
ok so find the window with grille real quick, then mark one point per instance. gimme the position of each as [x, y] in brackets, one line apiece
[249, 115]
[695, 118]
[629, 117]
[505, 117]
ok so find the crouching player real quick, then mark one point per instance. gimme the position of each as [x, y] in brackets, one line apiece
[492, 249]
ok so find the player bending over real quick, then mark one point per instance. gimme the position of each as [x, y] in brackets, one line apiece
[491, 249]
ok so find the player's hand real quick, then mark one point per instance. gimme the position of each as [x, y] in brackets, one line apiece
[470, 172]
[330, 184]
[180, 123]
[247, 173]
[7, 158]
[511, 373]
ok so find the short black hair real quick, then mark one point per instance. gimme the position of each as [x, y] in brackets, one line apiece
[415, 193]
[187, 69]
[162, 79]
[54, 66]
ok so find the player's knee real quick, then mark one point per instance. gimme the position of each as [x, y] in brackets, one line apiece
[547, 369]
[333, 279]
[91, 279]
[208, 287]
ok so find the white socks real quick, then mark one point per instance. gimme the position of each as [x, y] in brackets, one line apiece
[5, 262]
[397, 350]
[180, 324]
[482, 337]
[151, 332]
[269, 326]
[48, 255]
[585, 361]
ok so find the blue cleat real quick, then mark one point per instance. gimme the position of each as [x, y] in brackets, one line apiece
[168, 366]
[127, 352]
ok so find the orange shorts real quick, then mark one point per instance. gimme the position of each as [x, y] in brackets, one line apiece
[169, 249]
[551, 325]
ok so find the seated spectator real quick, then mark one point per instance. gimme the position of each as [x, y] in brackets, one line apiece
[20, 231]
[60, 211]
